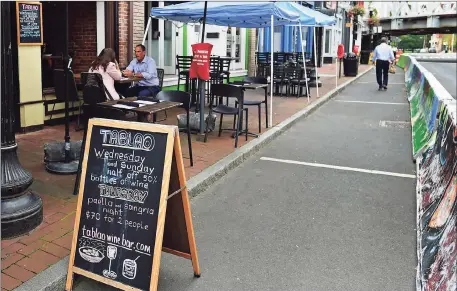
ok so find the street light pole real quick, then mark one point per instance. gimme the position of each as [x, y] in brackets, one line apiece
[22, 209]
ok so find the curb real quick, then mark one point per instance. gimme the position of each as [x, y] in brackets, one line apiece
[53, 278]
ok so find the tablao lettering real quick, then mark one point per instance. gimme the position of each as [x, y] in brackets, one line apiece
[124, 139]
[200, 61]
[30, 7]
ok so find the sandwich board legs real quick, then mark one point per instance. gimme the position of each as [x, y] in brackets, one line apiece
[186, 205]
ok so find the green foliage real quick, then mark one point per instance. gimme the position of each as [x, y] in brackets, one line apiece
[411, 42]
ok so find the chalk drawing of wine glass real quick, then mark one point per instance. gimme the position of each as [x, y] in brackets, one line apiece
[111, 253]
[129, 268]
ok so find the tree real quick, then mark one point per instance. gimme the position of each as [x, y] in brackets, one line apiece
[411, 42]
[448, 38]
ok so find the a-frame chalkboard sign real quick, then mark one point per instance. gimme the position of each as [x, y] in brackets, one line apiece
[133, 204]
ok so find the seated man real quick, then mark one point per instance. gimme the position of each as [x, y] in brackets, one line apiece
[142, 67]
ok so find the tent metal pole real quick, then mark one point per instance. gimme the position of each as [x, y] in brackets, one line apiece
[258, 50]
[146, 31]
[201, 83]
[304, 61]
[271, 70]
[315, 61]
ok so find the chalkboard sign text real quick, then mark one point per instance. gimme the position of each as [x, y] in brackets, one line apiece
[29, 23]
[128, 170]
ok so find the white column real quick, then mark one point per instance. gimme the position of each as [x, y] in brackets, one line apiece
[100, 7]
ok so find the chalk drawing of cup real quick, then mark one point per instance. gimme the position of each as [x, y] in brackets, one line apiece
[129, 268]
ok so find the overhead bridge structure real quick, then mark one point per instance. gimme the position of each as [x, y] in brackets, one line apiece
[400, 18]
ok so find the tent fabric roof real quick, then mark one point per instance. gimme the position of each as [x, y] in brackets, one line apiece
[320, 19]
[236, 14]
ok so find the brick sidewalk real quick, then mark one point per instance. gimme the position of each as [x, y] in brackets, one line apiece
[24, 257]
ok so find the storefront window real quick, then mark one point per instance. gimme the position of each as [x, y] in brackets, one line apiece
[328, 38]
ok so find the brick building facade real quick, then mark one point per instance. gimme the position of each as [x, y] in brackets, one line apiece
[82, 25]
[95, 25]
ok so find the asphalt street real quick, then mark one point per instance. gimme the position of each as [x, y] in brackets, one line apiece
[445, 73]
[329, 205]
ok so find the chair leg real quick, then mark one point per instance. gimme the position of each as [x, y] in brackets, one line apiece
[260, 120]
[246, 118]
[238, 127]
[266, 106]
[53, 106]
[189, 141]
[206, 125]
[220, 125]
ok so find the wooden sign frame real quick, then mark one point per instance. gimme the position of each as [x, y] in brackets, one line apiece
[19, 28]
[173, 159]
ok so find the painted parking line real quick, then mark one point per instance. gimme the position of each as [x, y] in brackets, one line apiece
[317, 165]
[374, 82]
[371, 102]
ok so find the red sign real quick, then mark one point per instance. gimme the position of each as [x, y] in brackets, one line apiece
[340, 51]
[200, 62]
[355, 49]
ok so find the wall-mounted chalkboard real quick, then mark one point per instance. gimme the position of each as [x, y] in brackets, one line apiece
[125, 181]
[29, 18]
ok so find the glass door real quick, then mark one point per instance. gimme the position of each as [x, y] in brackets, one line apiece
[328, 43]
[169, 51]
[234, 47]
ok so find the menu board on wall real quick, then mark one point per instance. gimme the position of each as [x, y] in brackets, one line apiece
[125, 181]
[29, 18]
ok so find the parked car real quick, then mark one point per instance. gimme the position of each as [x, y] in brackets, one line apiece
[424, 50]
[432, 50]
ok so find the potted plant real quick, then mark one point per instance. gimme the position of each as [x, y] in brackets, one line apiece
[356, 10]
[374, 20]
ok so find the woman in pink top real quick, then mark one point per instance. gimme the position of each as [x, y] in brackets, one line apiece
[106, 65]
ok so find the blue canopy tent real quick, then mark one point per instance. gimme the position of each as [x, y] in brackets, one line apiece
[236, 14]
[320, 19]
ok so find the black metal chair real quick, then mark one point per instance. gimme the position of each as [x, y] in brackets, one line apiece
[184, 98]
[183, 66]
[295, 80]
[279, 78]
[225, 90]
[215, 73]
[73, 96]
[94, 90]
[263, 64]
[160, 75]
[258, 103]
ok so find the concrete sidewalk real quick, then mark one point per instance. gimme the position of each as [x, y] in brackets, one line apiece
[329, 205]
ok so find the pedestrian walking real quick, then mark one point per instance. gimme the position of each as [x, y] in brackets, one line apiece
[383, 56]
